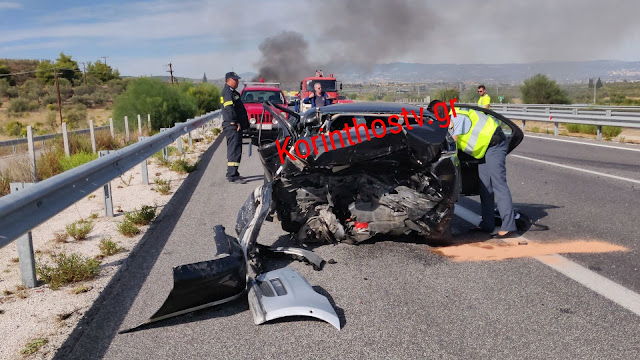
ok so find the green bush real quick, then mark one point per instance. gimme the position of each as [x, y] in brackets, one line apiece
[80, 229]
[166, 104]
[75, 117]
[33, 346]
[182, 166]
[128, 229]
[541, 90]
[48, 164]
[14, 128]
[108, 247]
[81, 99]
[20, 105]
[144, 216]
[611, 131]
[77, 159]
[67, 269]
[206, 96]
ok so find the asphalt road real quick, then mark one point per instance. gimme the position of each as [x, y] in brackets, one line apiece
[396, 299]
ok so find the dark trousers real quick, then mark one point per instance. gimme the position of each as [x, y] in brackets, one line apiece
[494, 189]
[234, 149]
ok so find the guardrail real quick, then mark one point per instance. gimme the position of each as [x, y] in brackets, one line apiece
[24, 140]
[32, 205]
[546, 113]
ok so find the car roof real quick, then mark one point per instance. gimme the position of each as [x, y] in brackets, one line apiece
[368, 106]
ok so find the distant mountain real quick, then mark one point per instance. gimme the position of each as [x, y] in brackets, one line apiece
[562, 72]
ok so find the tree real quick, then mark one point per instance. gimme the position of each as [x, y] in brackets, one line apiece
[541, 90]
[166, 104]
[206, 96]
[44, 71]
[204, 78]
[598, 84]
[102, 71]
[68, 68]
[447, 94]
[590, 83]
[4, 70]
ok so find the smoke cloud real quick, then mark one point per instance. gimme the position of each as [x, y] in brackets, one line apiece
[366, 33]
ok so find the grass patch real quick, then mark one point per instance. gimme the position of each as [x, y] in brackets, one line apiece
[128, 229]
[171, 150]
[81, 289]
[144, 216]
[128, 180]
[67, 269]
[6, 292]
[80, 229]
[21, 292]
[535, 129]
[607, 131]
[216, 131]
[91, 196]
[15, 260]
[67, 163]
[183, 167]
[60, 237]
[108, 247]
[33, 346]
[64, 316]
[93, 216]
[5, 180]
[163, 186]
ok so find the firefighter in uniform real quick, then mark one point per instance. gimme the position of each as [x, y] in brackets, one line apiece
[480, 136]
[234, 120]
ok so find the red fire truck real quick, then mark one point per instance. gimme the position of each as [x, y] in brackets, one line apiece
[329, 85]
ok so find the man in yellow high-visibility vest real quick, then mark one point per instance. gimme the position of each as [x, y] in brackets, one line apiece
[480, 136]
[484, 100]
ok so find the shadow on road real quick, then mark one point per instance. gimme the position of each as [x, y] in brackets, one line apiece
[117, 298]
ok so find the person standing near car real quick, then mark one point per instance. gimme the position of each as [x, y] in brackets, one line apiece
[234, 120]
[484, 100]
[317, 98]
[480, 136]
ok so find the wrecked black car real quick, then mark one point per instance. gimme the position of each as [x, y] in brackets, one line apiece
[339, 173]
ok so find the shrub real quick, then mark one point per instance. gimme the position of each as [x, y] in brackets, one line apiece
[84, 90]
[79, 229]
[67, 269]
[541, 90]
[50, 99]
[128, 229]
[182, 166]
[76, 116]
[20, 105]
[166, 104]
[163, 186]
[81, 289]
[77, 159]
[144, 216]
[81, 99]
[611, 131]
[33, 346]
[48, 164]
[60, 237]
[5, 180]
[14, 128]
[108, 247]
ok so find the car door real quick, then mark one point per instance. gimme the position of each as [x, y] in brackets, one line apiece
[469, 164]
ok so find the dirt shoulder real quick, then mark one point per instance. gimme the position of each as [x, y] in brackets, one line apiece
[51, 315]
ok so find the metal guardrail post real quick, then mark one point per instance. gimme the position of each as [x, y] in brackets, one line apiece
[113, 134]
[599, 132]
[179, 140]
[14, 149]
[25, 249]
[139, 125]
[165, 150]
[108, 199]
[556, 129]
[65, 139]
[524, 125]
[575, 111]
[126, 128]
[32, 154]
[149, 122]
[93, 136]
[190, 141]
[143, 166]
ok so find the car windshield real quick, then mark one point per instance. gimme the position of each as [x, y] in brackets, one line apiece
[260, 96]
[327, 85]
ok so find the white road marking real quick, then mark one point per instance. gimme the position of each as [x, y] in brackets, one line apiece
[582, 143]
[619, 294]
[577, 169]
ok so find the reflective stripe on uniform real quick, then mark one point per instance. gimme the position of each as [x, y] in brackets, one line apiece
[230, 163]
[227, 103]
[476, 141]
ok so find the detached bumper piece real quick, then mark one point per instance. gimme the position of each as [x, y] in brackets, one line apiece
[284, 292]
[208, 283]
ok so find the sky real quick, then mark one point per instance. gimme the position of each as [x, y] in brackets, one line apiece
[198, 36]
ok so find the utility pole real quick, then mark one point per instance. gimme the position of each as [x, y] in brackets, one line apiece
[105, 59]
[55, 75]
[594, 91]
[171, 72]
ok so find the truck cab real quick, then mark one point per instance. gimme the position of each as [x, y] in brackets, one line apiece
[329, 85]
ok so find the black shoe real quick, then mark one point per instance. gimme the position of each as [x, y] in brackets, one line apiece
[237, 180]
